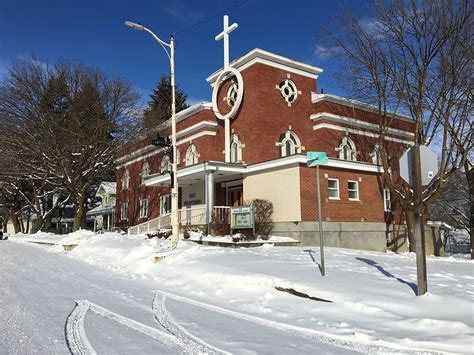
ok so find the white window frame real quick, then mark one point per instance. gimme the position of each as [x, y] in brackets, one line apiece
[125, 180]
[165, 206]
[145, 171]
[352, 190]
[347, 142]
[334, 188]
[144, 208]
[124, 211]
[165, 164]
[192, 156]
[235, 149]
[294, 142]
[387, 202]
[376, 157]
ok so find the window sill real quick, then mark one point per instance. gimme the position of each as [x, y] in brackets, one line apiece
[334, 198]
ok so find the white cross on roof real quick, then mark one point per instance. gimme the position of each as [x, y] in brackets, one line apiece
[225, 34]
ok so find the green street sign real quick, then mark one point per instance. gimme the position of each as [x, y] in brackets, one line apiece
[316, 158]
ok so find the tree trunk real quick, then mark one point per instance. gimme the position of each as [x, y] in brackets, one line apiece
[470, 182]
[410, 218]
[38, 222]
[15, 221]
[80, 216]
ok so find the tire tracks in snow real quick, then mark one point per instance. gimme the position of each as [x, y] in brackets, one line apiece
[79, 344]
[313, 334]
[193, 344]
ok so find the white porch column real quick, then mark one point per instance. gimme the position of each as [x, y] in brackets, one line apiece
[209, 194]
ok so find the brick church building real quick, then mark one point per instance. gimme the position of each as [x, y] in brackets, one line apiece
[277, 116]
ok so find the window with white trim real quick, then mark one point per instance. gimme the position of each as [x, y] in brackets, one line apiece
[387, 203]
[165, 165]
[347, 149]
[353, 190]
[144, 208]
[288, 90]
[125, 180]
[165, 204]
[376, 157]
[124, 211]
[235, 149]
[145, 171]
[333, 189]
[289, 144]
[192, 156]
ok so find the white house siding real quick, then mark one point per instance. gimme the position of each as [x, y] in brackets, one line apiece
[281, 187]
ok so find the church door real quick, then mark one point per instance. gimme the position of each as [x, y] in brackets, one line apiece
[235, 196]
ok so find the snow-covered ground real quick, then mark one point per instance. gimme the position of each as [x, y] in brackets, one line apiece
[373, 308]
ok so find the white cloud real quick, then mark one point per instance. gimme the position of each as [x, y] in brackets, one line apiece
[372, 26]
[195, 100]
[182, 12]
[325, 52]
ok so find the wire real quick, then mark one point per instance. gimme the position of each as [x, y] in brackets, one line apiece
[211, 17]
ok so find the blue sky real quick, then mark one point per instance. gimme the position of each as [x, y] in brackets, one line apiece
[93, 31]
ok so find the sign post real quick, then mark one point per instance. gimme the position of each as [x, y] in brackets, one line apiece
[418, 166]
[317, 159]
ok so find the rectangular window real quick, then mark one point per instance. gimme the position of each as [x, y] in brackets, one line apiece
[353, 190]
[165, 204]
[387, 205]
[333, 189]
[124, 211]
[144, 208]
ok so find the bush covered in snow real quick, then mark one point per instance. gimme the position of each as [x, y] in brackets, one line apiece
[162, 233]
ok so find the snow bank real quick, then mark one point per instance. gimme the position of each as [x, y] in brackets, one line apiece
[373, 294]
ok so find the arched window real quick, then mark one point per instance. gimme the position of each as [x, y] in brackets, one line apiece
[192, 155]
[376, 155]
[165, 165]
[145, 171]
[289, 144]
[235, 149]
[347, 150]
[125, 180]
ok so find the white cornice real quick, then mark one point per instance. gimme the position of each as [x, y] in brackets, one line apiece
[196, 127]
[195, 136]
[354, 104]
[260, 56]
[359, 132]
[354, 122]
[298, 159]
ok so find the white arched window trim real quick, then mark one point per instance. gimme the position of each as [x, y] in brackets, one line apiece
[235, 149]
[376, 155]
[165, 164]
[347, 149]
[289, 144]
[145, 171]
[125, 180]
[192, 156]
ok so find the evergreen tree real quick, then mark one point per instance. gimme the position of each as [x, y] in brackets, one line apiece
[159, 108]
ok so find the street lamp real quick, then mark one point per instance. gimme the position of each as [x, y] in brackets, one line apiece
[174, 167]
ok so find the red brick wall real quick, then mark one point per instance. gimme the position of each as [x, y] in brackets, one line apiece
[369, 208]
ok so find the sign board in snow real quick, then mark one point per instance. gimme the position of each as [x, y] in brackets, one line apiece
[429, 165]
[242, 217]
[316, 158]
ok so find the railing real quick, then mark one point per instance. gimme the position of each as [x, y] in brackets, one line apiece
[151, 225]
[190, 216]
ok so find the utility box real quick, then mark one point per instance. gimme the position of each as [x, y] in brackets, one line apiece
[242, 217]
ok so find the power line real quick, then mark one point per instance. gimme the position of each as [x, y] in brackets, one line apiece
[211, 17]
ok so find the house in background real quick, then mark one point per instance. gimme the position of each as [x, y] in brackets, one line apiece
[260, 152]
[104, 214]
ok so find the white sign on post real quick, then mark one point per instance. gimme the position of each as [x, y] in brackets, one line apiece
[429, 165]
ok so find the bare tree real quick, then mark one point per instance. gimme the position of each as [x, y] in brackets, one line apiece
[63, 126]
[415, 58]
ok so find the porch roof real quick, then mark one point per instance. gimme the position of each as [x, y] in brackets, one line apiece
[232, 171]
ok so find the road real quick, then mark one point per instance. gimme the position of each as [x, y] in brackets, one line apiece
[115, 314]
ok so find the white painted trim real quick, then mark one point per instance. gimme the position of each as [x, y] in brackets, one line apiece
[196, 127]
[338, 189]
[195, 136]
[315, 98]
[352, 121]
[140, 158]
[135, 153]
[296, 159]
[357, 190]
[359, 132]
[260, 56]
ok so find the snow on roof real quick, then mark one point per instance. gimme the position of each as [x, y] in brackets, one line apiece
[109, 187]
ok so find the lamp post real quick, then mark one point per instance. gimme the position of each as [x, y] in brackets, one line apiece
[174, 166]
